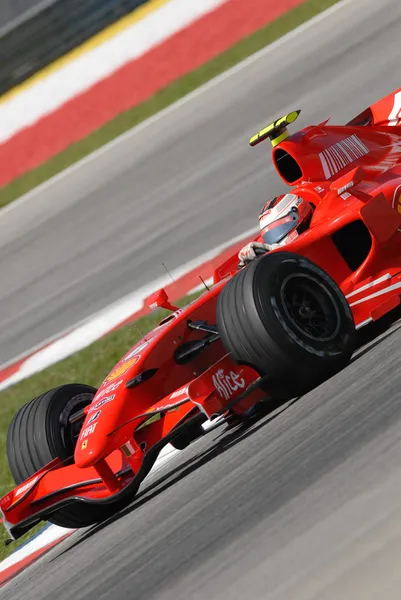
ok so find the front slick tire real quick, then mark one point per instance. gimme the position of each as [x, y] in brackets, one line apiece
[40, 432]
[285, 317]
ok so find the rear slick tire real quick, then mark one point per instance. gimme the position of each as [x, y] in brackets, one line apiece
[39, 433]
[285, 317]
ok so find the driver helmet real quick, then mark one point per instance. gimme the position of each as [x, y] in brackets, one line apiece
[284, 218]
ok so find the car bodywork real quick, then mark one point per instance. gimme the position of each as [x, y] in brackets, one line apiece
[180, 373]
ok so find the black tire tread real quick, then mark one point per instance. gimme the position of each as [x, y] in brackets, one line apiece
[255, 338]
[32, 443]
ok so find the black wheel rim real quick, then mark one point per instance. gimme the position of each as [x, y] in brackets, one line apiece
[310, 307]
[71, 431]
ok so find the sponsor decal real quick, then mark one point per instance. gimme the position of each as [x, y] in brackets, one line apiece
[93, 417]
[181, 392]
[122, 369]
[227, 385]
[346, 195]
[282, 221]
[136, 351]
[101, 403]
[319, 189]
[24, 488]
[164, 408]
[6, 501]
[110, 388]
[88, 431]
[340, 155]
[345, 187]
[128, 449]
[84, 444]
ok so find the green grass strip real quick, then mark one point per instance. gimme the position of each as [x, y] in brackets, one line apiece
[164, 98]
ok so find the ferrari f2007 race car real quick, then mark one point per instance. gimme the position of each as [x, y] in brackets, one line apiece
[270, 330]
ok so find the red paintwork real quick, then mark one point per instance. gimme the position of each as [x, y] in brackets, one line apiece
[211, 381]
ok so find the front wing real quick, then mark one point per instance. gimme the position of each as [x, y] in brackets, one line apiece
[118, 476]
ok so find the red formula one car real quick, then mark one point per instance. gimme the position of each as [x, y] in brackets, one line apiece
[272, 329]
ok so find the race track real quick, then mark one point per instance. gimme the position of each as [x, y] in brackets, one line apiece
[302, 506]
[305, 505]
[185, 183]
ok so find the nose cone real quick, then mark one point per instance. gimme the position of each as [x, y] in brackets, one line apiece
[91, 444]
[109, 410]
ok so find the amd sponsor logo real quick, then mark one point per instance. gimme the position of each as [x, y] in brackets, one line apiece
[26, 487]
[88, 431]
[226, 385]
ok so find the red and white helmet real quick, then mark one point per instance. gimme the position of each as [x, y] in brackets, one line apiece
[284, 218]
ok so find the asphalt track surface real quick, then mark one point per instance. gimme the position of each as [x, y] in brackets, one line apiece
[185, 183]
[306, 503]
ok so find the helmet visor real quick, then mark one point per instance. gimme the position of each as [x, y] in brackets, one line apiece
[278, 230]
